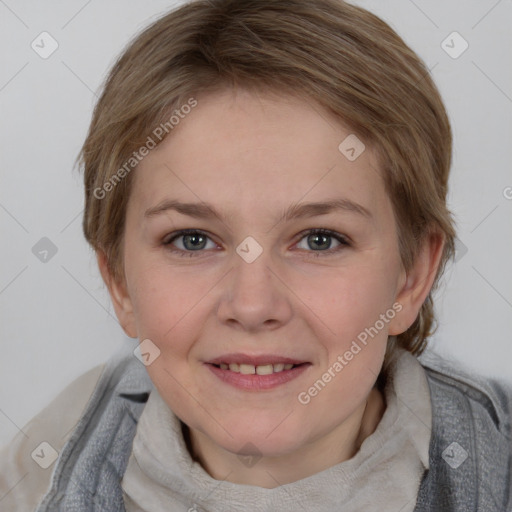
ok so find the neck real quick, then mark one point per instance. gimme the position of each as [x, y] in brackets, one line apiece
[273, 471]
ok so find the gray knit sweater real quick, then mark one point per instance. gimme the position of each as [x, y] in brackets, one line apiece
[384, 474]
[472, 412]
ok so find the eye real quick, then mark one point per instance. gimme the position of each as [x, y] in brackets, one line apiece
[320, 240]
[192, 240]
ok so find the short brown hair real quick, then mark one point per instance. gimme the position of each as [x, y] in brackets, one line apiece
[339, 55]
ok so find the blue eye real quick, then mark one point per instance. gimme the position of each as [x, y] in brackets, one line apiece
[322, 239]
[194, 241]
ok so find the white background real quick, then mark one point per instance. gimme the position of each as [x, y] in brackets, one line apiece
[57, 321]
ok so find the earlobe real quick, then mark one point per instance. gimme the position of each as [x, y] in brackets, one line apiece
[119, 295]
[418, 283]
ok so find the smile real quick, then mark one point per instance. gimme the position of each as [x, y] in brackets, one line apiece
[256, 374]
[250, 369]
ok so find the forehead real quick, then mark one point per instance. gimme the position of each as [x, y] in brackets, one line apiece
[245, 150]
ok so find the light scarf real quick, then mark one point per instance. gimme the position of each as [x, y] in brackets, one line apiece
[384, 475]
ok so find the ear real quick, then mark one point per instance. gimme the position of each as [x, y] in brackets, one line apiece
[119, 296]
[417, 283]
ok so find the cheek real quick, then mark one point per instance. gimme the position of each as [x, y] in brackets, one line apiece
[164, 301]
[349, 305]
[348, 300]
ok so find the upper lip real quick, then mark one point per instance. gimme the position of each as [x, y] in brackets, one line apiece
[256, 360]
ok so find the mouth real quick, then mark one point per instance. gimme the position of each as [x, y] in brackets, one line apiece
[260, 369]
[256, 373]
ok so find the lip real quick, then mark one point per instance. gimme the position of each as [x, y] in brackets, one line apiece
[255, 382]
[256, 360]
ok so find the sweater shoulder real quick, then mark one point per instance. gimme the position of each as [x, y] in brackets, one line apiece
[26, 463]
[489, 395]
[470, 452]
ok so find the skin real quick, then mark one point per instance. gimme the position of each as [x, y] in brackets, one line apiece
[252, 156]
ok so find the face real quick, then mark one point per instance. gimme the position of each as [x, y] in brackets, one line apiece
[290, 254]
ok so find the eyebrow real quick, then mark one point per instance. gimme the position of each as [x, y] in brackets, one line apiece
[205, 211]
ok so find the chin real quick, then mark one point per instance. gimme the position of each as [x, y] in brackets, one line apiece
[269, 439]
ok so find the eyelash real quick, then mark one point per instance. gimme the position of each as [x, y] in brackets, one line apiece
[344, 243]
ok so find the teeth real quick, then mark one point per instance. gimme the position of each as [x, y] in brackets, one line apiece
[247, 369]
[262, 369]
[265, 369]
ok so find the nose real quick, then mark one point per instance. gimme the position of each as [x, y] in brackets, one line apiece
[255, 296]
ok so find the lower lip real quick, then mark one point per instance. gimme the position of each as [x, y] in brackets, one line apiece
[257, 382]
